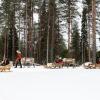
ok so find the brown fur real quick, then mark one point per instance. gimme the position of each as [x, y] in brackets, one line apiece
[5, 68]
[69, 61]
[58, 65]
[97, 66]
[54, 65]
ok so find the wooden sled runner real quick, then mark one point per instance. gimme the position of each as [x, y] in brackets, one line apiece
[5, 68]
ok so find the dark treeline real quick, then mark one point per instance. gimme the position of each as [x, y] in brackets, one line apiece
[45, 39]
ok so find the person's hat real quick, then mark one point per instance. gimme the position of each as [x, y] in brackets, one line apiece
[18, 51]
[60, 58]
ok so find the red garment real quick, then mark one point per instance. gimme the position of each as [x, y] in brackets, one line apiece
[59, 61]
[19, 56]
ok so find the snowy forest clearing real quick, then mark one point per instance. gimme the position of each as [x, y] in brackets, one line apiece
[50, 84]
[61, 31]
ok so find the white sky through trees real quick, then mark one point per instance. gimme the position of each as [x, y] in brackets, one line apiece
[80, 8]
[36, 17]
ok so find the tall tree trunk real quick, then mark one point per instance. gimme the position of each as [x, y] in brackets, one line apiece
[69, 26]
[5, 45]
[26, 30]
[89, 47]
[19, 45]
[53, 32]
[48, 32]
[29, 26]
[14, 34]
[94, 29]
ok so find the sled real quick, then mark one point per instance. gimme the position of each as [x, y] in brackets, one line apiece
[27, 61]
[5, 68]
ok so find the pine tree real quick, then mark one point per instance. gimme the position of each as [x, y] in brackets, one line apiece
[94, 30]
[9, 16]
[88, 5]
[55, 39]
[43, 33]
[51, 31]
[29, 20]
[76, 42]
[84, 42]
[71, 12]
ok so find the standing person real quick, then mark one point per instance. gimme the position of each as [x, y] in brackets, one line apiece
[5, 62]
[18, 59]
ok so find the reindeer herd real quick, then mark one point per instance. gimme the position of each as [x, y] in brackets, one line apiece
[66, 62]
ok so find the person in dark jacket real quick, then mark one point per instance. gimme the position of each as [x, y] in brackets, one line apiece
[59, 60]
[5, 62]
[18, 59]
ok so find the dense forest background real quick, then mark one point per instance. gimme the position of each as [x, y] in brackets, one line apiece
[44, 39]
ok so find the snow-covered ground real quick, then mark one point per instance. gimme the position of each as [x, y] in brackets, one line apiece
[50, 84]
